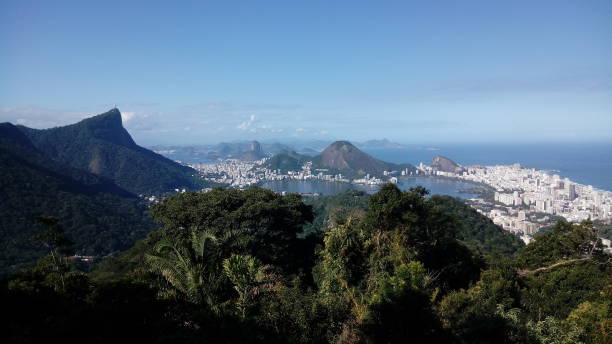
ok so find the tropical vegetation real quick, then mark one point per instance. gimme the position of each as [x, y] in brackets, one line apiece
[230, 266]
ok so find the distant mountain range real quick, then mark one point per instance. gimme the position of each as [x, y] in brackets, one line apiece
[243, 150]
[247, 151]
[377, 144]
[99, 216]
[102, 146]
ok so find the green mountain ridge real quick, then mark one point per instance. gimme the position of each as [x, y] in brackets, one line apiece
[287, 161]
[344, 157]
[102, 146]
[98, 216]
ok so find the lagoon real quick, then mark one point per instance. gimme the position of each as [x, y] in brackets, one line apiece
[436, 186]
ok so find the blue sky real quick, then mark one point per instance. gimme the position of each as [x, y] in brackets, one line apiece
[413, 72]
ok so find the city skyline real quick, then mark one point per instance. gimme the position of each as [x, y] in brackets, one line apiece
[409, 72]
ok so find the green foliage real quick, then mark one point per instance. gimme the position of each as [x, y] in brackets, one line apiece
[271, 222]
[558, 291]
[551, 331]
[566, 241]
[330, 211]
[98, 216]
[250, 279]
[593, 320]
[473, 315]
[476, 231]
[297, 315]
[426, 230]
[234, 266]
[370, 274]
[286, 161]
[191, 267]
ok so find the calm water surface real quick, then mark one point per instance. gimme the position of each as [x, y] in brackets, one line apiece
[436, 186]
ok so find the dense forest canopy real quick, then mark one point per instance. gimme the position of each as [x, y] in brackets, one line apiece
[100, 217]
[252, 266]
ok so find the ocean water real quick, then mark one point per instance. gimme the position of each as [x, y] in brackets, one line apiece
[588, 164]
[436, 186]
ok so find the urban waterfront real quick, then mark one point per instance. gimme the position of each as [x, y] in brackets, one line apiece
[584, 163]
[518, 199]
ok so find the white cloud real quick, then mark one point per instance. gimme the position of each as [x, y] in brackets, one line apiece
[246, 125]
[126, 116]
[40, 117]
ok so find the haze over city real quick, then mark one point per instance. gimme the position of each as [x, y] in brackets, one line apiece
[413, 72]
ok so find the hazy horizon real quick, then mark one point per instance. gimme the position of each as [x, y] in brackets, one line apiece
[418, 73]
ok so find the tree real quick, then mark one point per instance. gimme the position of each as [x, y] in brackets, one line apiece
[565, 244]
[191, 267]
[272, 222]
[594, 320]
[372, 287]
[425, 231]
[54, 239]
[250, 279]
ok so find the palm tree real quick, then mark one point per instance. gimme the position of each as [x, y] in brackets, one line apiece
[192, 267]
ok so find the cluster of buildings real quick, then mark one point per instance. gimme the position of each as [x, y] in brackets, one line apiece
[526, 199]
[242, 174]
[233, 172]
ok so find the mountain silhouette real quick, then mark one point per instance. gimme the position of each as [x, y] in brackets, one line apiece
[102, 146]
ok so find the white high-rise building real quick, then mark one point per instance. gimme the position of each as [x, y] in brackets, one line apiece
[571, 191]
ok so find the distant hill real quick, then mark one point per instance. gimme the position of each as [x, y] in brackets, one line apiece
[375, 144]
[275, 148]
[308, 151]
[444, 164]
[254, 153]
[102, 146]
[247, 151]
[99, 216]
[286, 161]
[344, 157]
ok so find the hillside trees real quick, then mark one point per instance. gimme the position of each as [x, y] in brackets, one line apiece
[271, 222]
[233, 266]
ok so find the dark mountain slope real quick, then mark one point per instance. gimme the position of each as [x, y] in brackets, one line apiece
[254, 153]
[444, 164]
[286, 161]
[102, 146]
[97, 215]
[343, 156]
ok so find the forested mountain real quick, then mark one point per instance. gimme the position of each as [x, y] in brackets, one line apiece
[445, 164]
[342, 156]
[98, 216]
[103, 147]
[286, 161]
